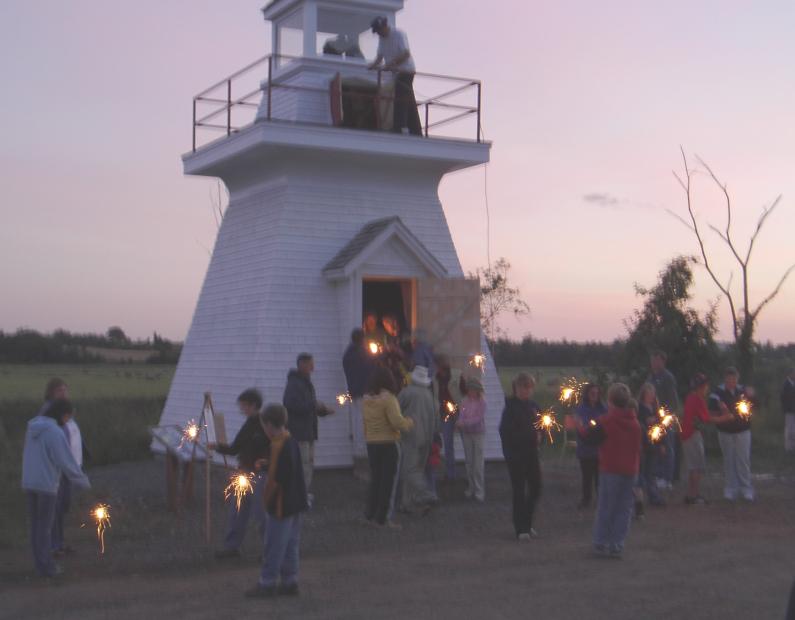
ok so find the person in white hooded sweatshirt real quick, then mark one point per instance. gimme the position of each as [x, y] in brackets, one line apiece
[47, 456]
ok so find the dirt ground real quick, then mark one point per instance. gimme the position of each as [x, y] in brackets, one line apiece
[461, 561]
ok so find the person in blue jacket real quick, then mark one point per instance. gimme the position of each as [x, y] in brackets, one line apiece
[46, 456]
[591, 408]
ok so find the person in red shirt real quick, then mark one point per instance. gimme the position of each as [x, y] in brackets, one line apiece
[696, 416]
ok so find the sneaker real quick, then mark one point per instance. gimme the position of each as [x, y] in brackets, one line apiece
[226, 554]
[310, 500]
[523, 537]
[288, 590]
[533, 533]
[748, 498]
[616, 553]
[260, 591]
[640, 512]
[600, 551]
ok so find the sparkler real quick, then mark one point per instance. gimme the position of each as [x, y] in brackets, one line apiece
[546, 422]
[667, 419]
[343, 399]
[593, 422]
[451, 410]
[374, 348]
[191, 433]
[656, 433]
[744, 409]
[239, 486]
[102, 516]
[570, 391]
[478, 361]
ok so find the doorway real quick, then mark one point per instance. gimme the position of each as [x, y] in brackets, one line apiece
[392, 298]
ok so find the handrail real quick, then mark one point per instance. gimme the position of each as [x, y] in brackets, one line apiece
[223, 102]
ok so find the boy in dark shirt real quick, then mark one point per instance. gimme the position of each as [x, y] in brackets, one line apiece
[285, 501]
[252, 447]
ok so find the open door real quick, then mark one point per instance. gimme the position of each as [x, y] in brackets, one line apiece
[448, 309]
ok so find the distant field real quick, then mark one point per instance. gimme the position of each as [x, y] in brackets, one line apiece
[27, 381]
[547, 378]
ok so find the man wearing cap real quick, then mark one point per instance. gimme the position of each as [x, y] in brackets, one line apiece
[416, 402]
[394, 52]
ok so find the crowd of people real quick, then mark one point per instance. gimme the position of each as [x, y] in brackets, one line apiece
[409, 406]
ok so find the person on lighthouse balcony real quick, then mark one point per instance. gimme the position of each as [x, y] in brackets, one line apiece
[394, 52]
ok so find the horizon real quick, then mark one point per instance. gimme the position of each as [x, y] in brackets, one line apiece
[103, 229]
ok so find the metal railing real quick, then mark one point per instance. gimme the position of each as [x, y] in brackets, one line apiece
[219, 109]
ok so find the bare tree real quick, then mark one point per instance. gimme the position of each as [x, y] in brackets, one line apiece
[744, 314]
[496, 297]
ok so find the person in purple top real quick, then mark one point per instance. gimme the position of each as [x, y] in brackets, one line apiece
[591, 408]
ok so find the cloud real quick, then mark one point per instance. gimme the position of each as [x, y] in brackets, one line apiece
[601, 199]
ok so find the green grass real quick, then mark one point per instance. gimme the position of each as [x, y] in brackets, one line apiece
[27, 381]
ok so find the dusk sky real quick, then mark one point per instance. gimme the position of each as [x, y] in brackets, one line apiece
[586, 104]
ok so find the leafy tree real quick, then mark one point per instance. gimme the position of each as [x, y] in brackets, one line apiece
[666, 322]
[116, 334]
[497, 297]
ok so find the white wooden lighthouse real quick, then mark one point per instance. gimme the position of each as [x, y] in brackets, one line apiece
[326, 220]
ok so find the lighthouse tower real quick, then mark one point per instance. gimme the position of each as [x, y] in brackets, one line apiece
[330, 215]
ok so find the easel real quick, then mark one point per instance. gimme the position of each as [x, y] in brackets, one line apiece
[207, 426]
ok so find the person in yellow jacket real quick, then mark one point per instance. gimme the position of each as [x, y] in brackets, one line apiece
[383, 423]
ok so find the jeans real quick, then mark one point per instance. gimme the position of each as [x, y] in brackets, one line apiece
[648, 460]
[589, 467]
[473, 452]
[357, 429]
[736, 449]
[62, 503]
[525, 473]
[307, 449]
[282, 542]
[41, 509]
[406, 114]
[237, 520]
[614, 511]
[666, 463]
[384, 459]
[448, 439]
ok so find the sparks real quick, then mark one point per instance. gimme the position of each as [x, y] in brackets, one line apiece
[656, 433]
[744, 409]
[239, 486]
[102, 516]
[374, 347]
[570, 391]
[547, 423]
[451, 410]
[593, 422]
[343, 399]
[191, 433]
[478, 361]
[667, 420]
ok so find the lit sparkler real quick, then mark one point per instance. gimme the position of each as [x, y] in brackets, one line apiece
[190, 434]
[478, 361]
[374, 347]
[546, 422]
[342, 399]
[239, 486]
[593, 422]
[451, 410]
[102, 516]
[667, 419]
[570, 391]
[656, 433]
[744, 409]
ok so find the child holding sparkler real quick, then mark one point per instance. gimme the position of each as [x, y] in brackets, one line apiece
[520, 449]
[285, 500]
[446, 394]
[734, 435]
[647, 416]
[619, 436]
[252, 448]
[697, 415]
[591, 408]
[46, 457]
[471, 424]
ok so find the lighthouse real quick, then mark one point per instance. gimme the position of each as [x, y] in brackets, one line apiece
[331, 214]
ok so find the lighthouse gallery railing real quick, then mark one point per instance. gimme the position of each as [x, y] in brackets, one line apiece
[220, 108]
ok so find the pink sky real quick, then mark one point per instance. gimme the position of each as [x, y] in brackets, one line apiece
[100, 227]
